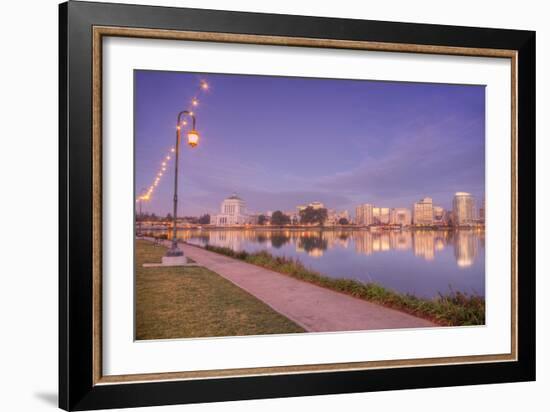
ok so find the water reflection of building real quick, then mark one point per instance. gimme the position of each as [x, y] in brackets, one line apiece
[363, 242]
[439, 244]
[465, 248]
[233, 212]
[424, 244]
[336, 238]
[463, 208]
[401, 240]
[381, 242]
[227, 238]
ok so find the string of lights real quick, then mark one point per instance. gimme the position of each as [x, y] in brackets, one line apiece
[193, 106]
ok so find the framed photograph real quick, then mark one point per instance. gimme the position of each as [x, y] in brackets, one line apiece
[257, 206]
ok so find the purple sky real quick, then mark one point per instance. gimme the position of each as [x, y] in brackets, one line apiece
[279, 141]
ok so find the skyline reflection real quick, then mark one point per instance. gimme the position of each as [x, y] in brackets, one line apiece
[425, 244]
[421, 262]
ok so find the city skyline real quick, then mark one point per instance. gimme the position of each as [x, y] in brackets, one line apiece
[291, 141]
[465, 211]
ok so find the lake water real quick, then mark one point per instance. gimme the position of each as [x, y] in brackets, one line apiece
[420, 262]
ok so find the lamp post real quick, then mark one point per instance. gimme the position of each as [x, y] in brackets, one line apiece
[140, 219]
[192, 140]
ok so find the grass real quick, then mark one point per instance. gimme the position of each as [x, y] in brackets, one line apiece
[453, 309]
[185, 302]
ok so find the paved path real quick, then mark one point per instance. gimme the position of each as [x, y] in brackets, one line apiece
[314, 308]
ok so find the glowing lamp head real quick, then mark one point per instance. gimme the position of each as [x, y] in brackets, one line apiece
[193, 138]
[204, 85]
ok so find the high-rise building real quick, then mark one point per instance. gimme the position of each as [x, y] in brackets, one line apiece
[463, 209]
[364, 214]
[482, 212]
[381, 215]
[439, 215]
[400, 216]
[359, 215]
[334, 216]
[423, 212]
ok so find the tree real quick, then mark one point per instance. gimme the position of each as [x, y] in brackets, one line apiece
[278, 218]
[311, 215]
[204, 219]
[343, 221]
[262, 219]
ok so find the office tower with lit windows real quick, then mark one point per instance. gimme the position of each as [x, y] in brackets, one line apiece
[482, 212]
[423, 212]
[400, 216]
[364, 214]
[381, 215]
[463, 209]
[439, 215]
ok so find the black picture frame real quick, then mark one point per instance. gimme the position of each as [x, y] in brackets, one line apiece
[77, 390]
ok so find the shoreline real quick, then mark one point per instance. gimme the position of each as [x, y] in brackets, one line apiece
[452, 309]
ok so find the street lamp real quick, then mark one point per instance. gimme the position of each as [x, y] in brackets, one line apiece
[140, 219]
[193, 140]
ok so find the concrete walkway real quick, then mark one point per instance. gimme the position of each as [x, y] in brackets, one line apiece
[314, 308]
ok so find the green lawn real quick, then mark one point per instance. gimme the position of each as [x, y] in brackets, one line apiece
[190, 302]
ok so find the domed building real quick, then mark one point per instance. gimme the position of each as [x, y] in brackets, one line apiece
[233, 212]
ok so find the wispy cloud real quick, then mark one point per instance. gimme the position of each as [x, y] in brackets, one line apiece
[281, 142]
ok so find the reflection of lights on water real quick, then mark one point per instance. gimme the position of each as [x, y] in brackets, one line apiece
[315, 253]
[464, 262]
[423, 244]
